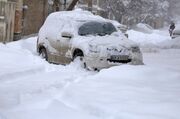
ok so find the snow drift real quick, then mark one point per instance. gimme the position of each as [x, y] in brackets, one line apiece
[31, 88]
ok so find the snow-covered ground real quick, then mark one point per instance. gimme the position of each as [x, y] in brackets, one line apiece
[31, 88]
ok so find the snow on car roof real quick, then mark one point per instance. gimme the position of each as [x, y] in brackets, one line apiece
[75, 15]
[64, 21]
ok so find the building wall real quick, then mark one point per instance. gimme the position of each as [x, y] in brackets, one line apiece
[31, 14]
[34, 15]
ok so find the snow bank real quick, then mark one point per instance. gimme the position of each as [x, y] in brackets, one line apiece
[128, 92]
[1, 117]
[31, 88]
[143, 39]
[54, 110]
[8, 100]
[28, 44]
[19, 58]
[23, 74]
[155, 41]
[170, 44]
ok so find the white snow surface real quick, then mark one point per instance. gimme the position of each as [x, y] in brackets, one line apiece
[31, 88]
[158, 39]
[145, 28]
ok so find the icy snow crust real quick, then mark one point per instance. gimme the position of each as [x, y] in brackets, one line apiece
[31, 88]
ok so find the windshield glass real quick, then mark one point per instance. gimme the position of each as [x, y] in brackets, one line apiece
[96, 28]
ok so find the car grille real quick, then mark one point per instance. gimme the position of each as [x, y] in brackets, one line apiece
[119, 61]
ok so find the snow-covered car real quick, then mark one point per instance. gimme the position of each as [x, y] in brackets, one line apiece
[95, 41]
[176, 32]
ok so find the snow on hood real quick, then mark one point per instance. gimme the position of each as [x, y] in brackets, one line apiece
[102, 42]
[111, 40]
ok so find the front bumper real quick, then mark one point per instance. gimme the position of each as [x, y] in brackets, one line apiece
[106, 62]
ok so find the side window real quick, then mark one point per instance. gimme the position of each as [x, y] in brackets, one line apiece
[67, 27]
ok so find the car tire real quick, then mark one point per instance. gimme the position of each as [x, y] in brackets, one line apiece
[80, 59]
[43, 53]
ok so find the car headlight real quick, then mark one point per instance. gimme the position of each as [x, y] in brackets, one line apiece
[94, 49]
[135, 49]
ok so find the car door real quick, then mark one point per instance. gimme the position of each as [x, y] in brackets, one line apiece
[64, 49]
[52, 38]
[64, 43]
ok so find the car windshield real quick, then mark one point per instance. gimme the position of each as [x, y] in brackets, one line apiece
[96, 28]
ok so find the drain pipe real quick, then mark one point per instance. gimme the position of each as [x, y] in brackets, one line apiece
[18, 20]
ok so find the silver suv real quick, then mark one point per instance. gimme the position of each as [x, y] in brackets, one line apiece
[92, 39]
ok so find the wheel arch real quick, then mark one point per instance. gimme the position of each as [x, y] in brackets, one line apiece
[40, 47]
[77, 51]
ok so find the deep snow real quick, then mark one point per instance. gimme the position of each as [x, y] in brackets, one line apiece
[31, 88]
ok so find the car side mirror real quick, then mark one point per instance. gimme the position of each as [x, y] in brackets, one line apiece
[66, 35]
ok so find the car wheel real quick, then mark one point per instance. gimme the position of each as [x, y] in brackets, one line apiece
[80, 59]
[43, 54]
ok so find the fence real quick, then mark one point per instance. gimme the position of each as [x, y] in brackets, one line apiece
[7, 15]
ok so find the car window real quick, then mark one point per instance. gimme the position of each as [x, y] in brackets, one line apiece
[96, 28]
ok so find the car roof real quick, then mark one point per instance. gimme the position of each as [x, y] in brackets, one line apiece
[67, 21]
[75, 15]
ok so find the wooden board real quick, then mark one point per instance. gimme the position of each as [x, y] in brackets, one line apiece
[7, 14]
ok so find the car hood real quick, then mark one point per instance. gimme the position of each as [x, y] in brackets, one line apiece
[111, 41]
[108, 40]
